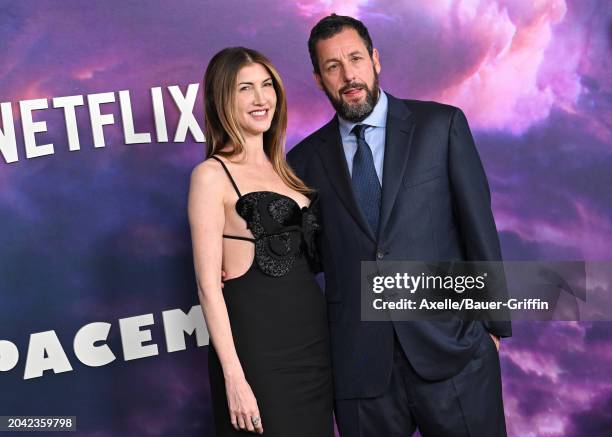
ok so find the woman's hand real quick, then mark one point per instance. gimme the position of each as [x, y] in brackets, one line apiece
[244, 413]
[496, 340]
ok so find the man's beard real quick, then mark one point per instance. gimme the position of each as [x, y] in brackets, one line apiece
[356, 112]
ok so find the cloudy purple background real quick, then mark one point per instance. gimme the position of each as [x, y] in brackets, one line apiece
[100, 234]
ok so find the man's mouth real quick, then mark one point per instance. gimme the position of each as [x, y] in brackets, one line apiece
[352, 92]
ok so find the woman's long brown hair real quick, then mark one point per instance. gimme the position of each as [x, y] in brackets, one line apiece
[220, 122]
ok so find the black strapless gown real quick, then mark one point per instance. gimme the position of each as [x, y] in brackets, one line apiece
[279, 325]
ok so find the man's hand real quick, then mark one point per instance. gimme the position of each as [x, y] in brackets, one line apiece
[496, 340]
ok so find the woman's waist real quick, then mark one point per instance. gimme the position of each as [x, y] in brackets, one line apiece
[266, 268]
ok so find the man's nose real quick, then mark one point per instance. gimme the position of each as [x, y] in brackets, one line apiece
[349, 72]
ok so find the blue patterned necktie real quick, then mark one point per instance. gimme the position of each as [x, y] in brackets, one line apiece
[365, 181]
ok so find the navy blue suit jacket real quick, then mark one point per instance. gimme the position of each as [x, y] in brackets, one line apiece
[435, 206]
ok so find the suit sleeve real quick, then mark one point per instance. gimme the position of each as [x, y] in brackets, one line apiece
[472, 200]
[294, 162]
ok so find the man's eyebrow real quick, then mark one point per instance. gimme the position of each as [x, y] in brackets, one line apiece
[353, 53]
[327, 61]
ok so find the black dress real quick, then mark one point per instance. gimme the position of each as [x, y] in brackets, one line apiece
[279, 322]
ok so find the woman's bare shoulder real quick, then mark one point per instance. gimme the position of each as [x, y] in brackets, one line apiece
[209, 174]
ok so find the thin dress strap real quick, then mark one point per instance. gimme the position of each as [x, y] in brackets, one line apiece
[229, 175]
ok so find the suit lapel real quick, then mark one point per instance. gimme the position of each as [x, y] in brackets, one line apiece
[332, 156]
[398, 137]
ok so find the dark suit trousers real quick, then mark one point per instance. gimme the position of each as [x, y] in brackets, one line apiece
[467, 404]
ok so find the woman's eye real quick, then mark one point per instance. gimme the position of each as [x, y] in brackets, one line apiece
[268, 84]
[244, 88]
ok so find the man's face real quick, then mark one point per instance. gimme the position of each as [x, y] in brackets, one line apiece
[348, 76]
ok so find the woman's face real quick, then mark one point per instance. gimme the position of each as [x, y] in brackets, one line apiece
[255, 99]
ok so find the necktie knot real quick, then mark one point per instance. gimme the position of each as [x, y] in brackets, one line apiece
[359, 131]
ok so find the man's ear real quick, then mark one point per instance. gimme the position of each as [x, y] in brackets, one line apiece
[376, 61]
[317, 78]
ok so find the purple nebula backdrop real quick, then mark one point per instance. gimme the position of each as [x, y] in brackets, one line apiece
[101, 234]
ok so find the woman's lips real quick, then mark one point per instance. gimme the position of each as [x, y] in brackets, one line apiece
[259, 115]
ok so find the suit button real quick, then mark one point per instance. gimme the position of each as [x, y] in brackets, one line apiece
[379, 254]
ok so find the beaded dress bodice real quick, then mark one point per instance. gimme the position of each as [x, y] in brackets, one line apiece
[282, 231]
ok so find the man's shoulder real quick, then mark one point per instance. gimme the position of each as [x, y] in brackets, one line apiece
[428, 108]
[309, 144]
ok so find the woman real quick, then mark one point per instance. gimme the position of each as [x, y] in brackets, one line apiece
[254, 219]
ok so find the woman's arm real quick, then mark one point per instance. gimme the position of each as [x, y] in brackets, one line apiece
[207, 220]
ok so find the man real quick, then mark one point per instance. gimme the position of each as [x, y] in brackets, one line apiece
[398, 180]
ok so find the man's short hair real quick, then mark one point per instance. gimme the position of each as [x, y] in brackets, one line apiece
[330, 26]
